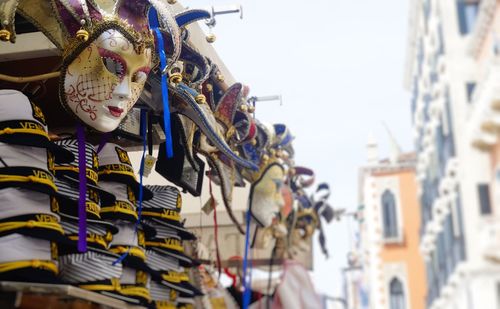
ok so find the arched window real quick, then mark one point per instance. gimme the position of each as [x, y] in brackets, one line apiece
[397, 297]
[389, 215]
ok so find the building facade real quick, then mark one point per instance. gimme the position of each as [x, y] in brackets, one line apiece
[452, 74]
[392, 269]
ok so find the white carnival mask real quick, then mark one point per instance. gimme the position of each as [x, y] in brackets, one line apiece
[105, 80]
[266, 197]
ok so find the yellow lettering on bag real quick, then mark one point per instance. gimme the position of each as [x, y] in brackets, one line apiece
[50, 160]
[95, 161]
[141, 278]
[131, 195]
[173, 295]
[141, 239]
[93, 196]
[91, 175]
[124, 205]
[172, 242]
[171, 214]
[42, 175]
[45, 218]
[54, 205]
[123, 156]
[93, 208]
[178, 203]
[53, 250]
[31, 126]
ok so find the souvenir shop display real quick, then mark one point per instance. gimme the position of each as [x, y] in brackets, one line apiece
[125, 80]
[165, 253]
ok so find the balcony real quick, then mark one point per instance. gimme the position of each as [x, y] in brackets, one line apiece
[490, 244]
[484, 120]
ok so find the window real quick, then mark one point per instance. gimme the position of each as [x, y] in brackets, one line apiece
[397, 297]
[470, 87]
[389, 215]
[484, 198]
[467, 12]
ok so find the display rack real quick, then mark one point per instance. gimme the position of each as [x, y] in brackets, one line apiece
[28, 293]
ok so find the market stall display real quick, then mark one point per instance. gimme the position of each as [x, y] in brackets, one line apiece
[130, 77]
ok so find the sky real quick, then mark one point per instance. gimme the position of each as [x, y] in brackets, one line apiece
[339, 66]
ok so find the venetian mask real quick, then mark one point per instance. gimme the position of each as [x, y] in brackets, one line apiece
[266, 198]
[103, 82]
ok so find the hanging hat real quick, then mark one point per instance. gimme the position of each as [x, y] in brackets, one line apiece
[171, 246]
[23, 123]
[29, 213]
[69, 172]
[164, 209]
[26, 167]
[28, 259]
[115, 165]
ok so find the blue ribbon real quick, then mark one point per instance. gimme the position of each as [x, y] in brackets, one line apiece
[82, 177]
[141, 174]
[246, 276]
[153, 20]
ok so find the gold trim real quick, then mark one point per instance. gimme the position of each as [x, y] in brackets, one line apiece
[47, 265]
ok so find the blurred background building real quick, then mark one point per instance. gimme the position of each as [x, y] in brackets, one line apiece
[386, 269]
[452, 75]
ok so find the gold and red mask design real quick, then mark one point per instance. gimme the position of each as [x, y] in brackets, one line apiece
[105, 80]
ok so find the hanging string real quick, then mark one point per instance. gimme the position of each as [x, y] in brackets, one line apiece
[141, 190]
[153, 20]
[216, 226]
[82, 177]
[246, 272]
[104, 140]
[150, 133]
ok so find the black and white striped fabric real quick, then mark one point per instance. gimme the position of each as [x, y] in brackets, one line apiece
[162, 231]
[159, 292]
[69, 190]
[185, 300]
[164, 197]
[17, 247]
[88, 267]
[31, 202]
[71, 227]
[161, 262]
[72, 145]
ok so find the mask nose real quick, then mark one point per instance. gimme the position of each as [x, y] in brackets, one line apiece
[122, 90]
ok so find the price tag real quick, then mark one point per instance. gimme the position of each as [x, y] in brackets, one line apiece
[149, 163]
[209, 206]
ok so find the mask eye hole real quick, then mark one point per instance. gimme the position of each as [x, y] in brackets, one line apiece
[113, 62]
[278, 183]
